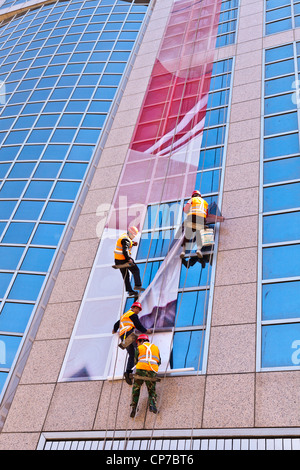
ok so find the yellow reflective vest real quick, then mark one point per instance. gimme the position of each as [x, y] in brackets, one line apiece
[119, 249]
[148, 357]
[126, 324]
[198, 207]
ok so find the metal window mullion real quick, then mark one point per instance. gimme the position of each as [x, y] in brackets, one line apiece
[279, 244]
[280, 183]
[280, 280]
[281, 157]
[280, 321]
[293, 15]
[283, 211]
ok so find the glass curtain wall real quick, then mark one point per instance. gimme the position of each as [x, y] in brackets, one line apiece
[280, 208]
[61, 66]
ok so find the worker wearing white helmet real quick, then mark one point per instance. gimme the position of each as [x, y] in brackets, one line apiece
[122, 255]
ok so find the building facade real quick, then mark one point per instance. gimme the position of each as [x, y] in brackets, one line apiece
[112, 113]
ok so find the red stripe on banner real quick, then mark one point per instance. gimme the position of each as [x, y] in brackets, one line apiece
[161, 163]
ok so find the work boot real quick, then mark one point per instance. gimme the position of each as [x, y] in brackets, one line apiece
[153, 409]
[127, 378]
[182, 254]
[140, 288]
[133, 411]
[132, 293]
[199, 253]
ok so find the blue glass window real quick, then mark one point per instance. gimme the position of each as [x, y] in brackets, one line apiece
[10, 257]
[281, 300]
[18, 232]
[280, 124]
[47, 170]
[38, 189]
[26, 287]
[283, 67]
[81, 152]
[283, 145]
[31, 152]
[281, 170]
[194, 275]
[55, 152]
[37, 259]
[8, 153]
[6, 208]
[8, 348]
[279, 85]
[12, 189]
[148, 271]
[21, 170]
[29, 210]
[281, 197]
[73, 171]
[48, 234]
[57, 211]
[191, 308]
[278, 104]
[281, 345]
[5, 279]
[281, 262]
[15, 316]
[281, 227]
[187, 350]
[155, 244]
[65, 190]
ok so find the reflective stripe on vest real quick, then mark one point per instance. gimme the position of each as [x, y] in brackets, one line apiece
[119, 249]
[125, 323]
[148, 358]
[198, 206]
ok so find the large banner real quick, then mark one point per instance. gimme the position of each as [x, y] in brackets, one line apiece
[161, 165]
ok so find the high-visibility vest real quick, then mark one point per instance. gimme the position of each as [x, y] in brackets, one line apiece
[119, 249]
[148, 357]
[126, 324]
[198, 206]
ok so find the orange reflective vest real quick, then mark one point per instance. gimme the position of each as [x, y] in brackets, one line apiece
[148, 357]
[126, 324]
[119, 249]
[198, 207]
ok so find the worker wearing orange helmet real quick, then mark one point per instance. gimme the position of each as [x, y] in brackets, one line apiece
[128, 322]
[122, 255]
[147, 359]
[197, 210]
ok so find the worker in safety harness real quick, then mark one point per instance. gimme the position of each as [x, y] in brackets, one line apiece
[147, 359]
[196, 209]
[122, 255]
[126, 326]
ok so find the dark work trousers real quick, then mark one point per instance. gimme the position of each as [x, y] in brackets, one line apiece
[193, 223]
[131, 352]
[134, 269]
